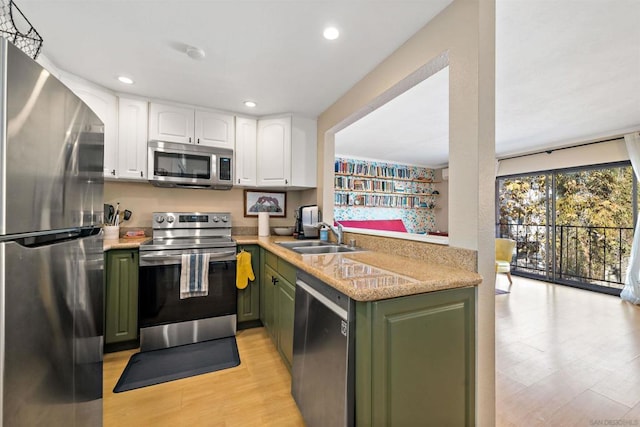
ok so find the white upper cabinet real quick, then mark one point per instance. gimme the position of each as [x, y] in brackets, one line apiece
[286, 152]
[304, 152]
[214, 129]
[245, 151]
[132, 139]
[274, 152]
[173, 123]
[105, 105]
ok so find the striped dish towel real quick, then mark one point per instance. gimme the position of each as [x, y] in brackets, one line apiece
[194, 276]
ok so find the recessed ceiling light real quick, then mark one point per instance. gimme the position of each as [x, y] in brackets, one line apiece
[331, 33]
[126, 80]
[250, 104]
[195, 52]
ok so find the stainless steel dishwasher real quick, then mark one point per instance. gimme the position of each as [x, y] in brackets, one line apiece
[323, 354]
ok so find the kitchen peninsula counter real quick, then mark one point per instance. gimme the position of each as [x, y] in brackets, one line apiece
[370, 275]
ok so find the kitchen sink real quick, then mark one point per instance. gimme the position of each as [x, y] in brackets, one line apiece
[332, 249]
[314, 247]
[305, 244]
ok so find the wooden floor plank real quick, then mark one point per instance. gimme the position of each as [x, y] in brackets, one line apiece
[255, 393]
[565, 356]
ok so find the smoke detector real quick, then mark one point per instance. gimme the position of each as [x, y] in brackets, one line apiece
[195, 52]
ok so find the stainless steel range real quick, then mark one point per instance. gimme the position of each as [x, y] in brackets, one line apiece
[166, 317]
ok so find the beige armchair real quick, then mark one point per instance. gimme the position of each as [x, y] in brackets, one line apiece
[504, 253]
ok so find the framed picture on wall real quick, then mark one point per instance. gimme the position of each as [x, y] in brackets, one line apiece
[274, 202]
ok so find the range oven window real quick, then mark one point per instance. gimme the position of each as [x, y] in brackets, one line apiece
[159, 294]
[182, 165]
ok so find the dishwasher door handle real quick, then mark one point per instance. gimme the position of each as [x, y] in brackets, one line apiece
[341, 312]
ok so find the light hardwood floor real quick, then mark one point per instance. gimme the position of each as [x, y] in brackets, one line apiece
[255, 393]
[565, 357]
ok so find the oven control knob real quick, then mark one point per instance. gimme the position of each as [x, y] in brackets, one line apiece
[170, 219]
[216, 219]
[159, 219]
[224, 219]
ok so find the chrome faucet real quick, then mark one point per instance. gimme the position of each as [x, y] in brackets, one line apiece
[337, 231]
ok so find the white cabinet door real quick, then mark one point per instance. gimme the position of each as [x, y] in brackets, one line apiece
[171, 123]
[304, 156]
[132, 139]
[245, 153]
[214, 129]
[105, 105]
[274, 152]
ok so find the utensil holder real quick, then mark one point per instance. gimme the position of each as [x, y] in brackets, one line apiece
[111, 232]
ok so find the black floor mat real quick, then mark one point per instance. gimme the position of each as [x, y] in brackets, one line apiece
[160, 366]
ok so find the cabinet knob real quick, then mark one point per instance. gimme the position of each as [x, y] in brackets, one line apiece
[141, 174]
[286, 181]
[198, 140]
[238, 180]
[274, 280]
[113, 172]
[189, 139]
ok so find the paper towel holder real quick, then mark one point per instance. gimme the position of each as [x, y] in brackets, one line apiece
[273, 202]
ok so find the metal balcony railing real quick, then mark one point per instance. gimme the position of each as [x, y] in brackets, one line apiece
[577, 255]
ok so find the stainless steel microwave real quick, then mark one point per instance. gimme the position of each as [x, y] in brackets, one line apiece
[189, 166]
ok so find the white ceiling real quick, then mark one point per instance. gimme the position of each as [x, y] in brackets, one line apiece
[567, 71]
[271, 52]
[412, 128]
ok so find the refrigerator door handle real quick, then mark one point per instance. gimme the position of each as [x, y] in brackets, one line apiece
[36, 240]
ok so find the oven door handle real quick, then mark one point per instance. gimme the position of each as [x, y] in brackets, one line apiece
[168, 259]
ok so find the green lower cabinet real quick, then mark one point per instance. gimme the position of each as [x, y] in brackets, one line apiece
[278, 303]
[268, 292]
[285, 296]
[415, 360]
[249, 297]
[121, 302]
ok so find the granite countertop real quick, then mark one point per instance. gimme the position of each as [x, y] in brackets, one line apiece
[363, 276]
[124, 243]
[370, 275]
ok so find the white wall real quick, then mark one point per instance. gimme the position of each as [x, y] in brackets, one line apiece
[465, 33]
[594, 154]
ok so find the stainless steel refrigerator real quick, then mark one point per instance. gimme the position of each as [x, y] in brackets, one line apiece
[51, 260]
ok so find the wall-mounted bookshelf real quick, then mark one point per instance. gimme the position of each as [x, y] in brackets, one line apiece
[359, 183]
[368, 190]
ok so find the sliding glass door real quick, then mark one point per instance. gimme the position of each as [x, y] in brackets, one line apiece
[571, 226]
